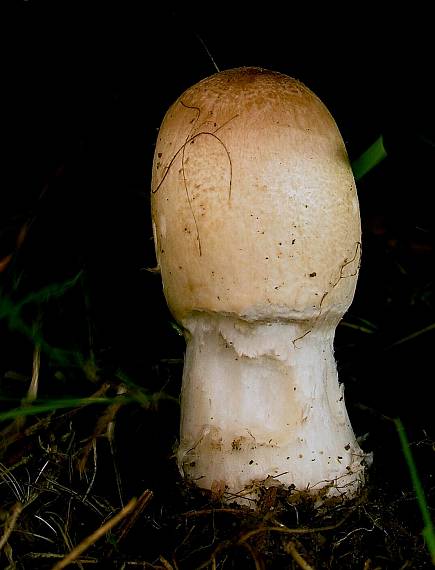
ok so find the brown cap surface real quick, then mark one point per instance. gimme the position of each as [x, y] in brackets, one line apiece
[254, 203]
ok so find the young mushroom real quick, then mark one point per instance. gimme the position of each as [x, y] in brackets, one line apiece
[257, 235]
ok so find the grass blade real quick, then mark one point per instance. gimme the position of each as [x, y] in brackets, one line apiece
[369, 159]
[428, 530]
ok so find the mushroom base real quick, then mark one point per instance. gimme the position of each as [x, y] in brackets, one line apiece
[261, 402]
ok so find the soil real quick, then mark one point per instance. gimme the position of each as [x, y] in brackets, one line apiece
[83, 315]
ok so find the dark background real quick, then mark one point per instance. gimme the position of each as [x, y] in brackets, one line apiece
[87, 85]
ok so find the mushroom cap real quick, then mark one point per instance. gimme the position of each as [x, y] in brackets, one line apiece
[254, 205]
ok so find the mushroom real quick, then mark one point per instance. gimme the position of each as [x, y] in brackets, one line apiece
[257, 235]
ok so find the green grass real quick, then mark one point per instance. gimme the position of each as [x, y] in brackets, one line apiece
[428, 530]
[12, 312]
[369, 158]
[47, 406]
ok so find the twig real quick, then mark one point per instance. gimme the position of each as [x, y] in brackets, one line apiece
[286, 530]
[47, 555]
[10, 523]
[165, 563]
[91, 539]
[301, 562]
[213, 512]
[257, 561]
[32, 392]
[94, 473]
[130, 521]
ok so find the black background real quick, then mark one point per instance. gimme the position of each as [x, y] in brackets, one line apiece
[87, 85]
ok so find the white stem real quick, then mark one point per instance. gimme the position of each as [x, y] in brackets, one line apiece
[261, 401]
